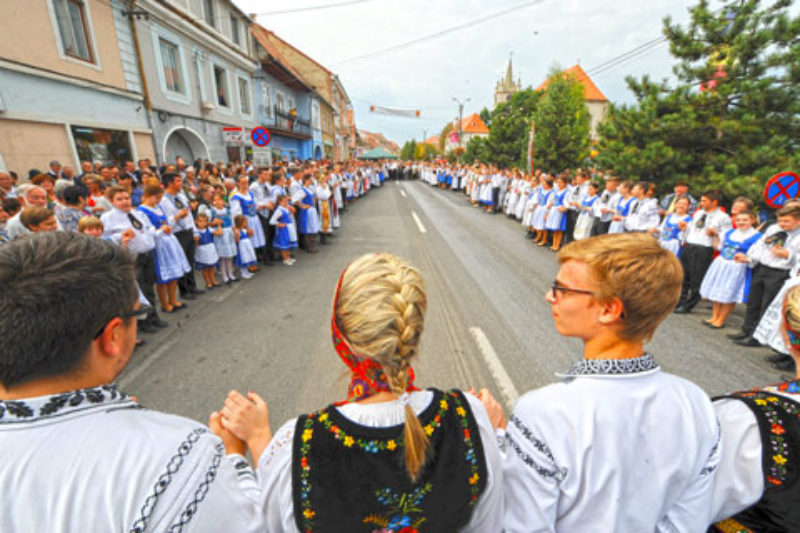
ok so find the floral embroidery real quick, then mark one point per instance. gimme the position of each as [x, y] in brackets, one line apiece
[305, 473]
[59, 403]
[400, 508]
[614, 367]
[469, 452]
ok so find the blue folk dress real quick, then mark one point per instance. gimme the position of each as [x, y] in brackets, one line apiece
[670, 238]
[308, 218]
[284, 240]
[247, 206]
[726, 280]
[171, 263]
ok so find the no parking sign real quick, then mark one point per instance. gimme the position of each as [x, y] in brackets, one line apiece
[260, 136]
[781, 187]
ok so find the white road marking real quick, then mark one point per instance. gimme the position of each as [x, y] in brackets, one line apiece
[402, 193]
[131, 376]
[419, 222]
[496, 368]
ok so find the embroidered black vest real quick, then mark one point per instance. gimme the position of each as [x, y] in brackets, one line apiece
[779, 426]
[347, 477]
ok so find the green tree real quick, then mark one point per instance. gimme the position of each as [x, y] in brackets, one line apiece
[486, 117]
[733, 119]
[562, 124]
[409, 150]
[508, 137]
[477, 150]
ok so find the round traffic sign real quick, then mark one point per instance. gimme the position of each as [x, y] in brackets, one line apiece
[260, 136]
[781, 187]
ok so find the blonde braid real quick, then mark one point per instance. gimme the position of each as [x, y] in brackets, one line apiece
[381, 312]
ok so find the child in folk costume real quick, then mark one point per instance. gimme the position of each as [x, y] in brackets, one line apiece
[206, 257]
[246, 258]
[225, 242]
[726, 280]
[543, 200]
[285, 236]
[531, 202]
[308, 222]
[670, 235]
[392, 457]
[622, 208]
[524, 194]
[241, 202]
[556, 216]
[171, 263]
[583, 226]
[327, 211]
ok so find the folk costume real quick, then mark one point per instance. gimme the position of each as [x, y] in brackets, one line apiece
[205, 255]
[726, 280]
[96, 460]
[670, 235]
[244, 204]
[225, 243]
[757, 484]
[308, 222]
[540, 212]
[183, 231]
[698, 253]
[622, 208]
[583, 226]
[618, 445]
[285, 238]
[342, 468]
[643, 215]
[556, 218]
[171, 263]
[247, 252]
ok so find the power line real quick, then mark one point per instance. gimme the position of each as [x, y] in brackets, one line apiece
[624, 55]
[439, 33]
[312, 8]
[619, 61]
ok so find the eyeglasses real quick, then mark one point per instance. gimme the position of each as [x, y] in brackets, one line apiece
[140, 313]
[555, 288]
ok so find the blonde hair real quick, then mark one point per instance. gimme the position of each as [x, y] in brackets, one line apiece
[633, 267]
[791, 312]
[381, 310]
[89, 222]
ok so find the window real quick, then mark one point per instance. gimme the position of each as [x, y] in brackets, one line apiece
[102, 145]
[235, 31]
[267, 99]
[73, 29]
[221, 84]
[315, 116]
[244, 96]
[208, 12]
[291, 103]
[280, 104]
[173, 78]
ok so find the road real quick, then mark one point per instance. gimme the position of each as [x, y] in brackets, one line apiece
[487, 323]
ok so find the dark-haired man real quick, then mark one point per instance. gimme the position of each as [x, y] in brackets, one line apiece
[681, 190]
[698, 252]
[80, 454]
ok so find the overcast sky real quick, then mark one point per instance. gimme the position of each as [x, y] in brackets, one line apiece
[467, 63]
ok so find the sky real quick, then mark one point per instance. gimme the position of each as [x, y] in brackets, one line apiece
[467, 62]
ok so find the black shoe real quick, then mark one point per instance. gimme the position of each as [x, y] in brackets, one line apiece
[777, 358]
[188, 296]
[737, 336]
[157, 322]
[749, 342]
[784, 366]
[144, 327]
[198, 291]
[681, 310]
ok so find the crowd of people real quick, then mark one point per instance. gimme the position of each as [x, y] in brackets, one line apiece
[616, 444]
[731, 254]
[213, 221]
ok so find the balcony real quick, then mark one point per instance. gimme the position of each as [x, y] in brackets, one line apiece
[284, 123]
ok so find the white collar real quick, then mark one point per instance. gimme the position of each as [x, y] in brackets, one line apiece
[646, 364]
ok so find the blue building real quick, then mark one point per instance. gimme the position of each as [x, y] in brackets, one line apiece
[284, 104]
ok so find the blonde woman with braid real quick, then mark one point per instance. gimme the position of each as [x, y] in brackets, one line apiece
[392, 457]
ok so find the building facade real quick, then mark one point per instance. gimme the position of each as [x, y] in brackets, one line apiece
[472, 126]
[69, 86]
[506, 86]
[198, 62]
[596, 101]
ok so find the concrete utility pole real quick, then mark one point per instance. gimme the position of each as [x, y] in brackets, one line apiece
[460, 115]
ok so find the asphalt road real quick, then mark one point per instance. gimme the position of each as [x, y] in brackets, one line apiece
[487, 324]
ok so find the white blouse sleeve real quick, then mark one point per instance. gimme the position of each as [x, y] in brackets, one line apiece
[275, 479]
[276, 216]
[739, 479]
[235, 206]
[488, 513]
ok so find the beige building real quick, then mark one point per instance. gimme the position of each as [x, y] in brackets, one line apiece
[68, 88]
[596, 101]
[506, 86]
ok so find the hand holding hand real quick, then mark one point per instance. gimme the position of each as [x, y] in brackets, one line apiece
[248, 419]
[493, 408]
[232, 443]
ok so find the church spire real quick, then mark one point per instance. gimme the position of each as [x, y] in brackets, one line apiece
[509, 81]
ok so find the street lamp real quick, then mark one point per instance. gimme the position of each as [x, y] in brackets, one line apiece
[460, 115]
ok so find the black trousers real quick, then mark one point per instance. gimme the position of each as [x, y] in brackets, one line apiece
[266, 253]
[764, 286]
[495, 199]
[695, 260]
[146, 277]
[187, 283]
[572, 218]
[599, 227]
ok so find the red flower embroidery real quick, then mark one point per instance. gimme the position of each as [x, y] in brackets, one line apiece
[774, 481]
[408, 530]
[777, 429]
[466, 433]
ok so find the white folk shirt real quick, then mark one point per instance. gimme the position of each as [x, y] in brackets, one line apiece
[261, 196]
[115, 222]
[94, 460]
[761, 253]
[275, 464]
[643, 215]
[606, 200]
[716, 219]
[618, 445]
[171, 205]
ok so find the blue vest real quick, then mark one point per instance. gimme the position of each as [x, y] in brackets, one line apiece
[730, 247]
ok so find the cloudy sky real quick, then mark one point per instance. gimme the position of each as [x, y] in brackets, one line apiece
[467, 63]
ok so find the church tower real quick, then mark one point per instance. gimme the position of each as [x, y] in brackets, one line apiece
[506, 86]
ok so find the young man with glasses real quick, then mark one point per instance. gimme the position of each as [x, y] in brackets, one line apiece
[81, 454]
[617, 445]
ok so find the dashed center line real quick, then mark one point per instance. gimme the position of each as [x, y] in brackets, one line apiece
[419, 222]
[402, 193]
